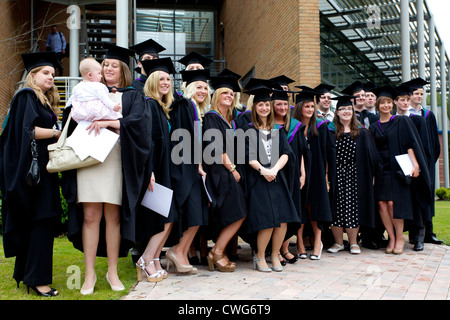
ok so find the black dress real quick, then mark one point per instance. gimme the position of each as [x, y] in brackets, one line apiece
[30, 215]
[269, 203]
[228, 200]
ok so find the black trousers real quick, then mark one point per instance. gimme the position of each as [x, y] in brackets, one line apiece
[34, 262]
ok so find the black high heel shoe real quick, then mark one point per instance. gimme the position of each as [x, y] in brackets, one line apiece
[52, 293]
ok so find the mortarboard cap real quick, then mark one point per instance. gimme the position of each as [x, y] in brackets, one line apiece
[369, 86]
[260, 94]
[343, 101]
[39, 59]
[307, 95]
[281, 95]
[402, 90]
[119, 53]
[255, 83]
[385, 91]
[195, 57]
[163, 64]
[354, 87]
[227, 72]
[148, 46]
[190, 76]
[324, 88]
[225, 82]
[416, 84]
[282, 80]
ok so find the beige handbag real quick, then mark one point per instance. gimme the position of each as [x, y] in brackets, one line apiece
[62, 157]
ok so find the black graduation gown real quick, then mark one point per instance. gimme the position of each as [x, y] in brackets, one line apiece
[23, 205]
[136, 150]
[435, 147]
[368, 166]
[228, 201]
[402, 135]
[186, 181]
[139, 83]
[269, 203]
[297, 141]
[366, 118]
[242, 119]
[149, 222]
[322, 153]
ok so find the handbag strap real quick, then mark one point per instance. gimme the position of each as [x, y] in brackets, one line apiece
[63, 136]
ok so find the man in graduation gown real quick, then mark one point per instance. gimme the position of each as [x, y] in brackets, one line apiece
[147, 50]
[324, 102]
[416, 96]
[364, 117]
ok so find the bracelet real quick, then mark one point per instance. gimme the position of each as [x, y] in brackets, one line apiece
[54, 132]
[232, 168]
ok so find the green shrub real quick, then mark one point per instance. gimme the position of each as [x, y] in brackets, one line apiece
[443, 193]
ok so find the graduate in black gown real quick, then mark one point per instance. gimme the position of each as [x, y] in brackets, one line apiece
[224, 174]
[269, 201]
[186, 171]
[31, 214]
[395, 136]
[365, 117]
[319, 174]
[416, 96]
[358, 163]
[146, 50]
[296, 181]
[91, 235]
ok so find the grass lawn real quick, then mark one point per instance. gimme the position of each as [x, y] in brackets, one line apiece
[68, 268]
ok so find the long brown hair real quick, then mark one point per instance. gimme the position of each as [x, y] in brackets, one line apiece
[287, 117]
[257, 122]
[354, 128]
[125, 74]
[297, 114]
[215, 103]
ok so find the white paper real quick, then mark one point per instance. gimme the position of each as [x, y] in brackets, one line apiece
[159, 200]
[96, 146]
[405, 163]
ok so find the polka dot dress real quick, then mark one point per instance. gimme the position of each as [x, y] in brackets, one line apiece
[347, 188]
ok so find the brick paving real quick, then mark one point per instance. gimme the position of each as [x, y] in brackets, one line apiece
[371, 275]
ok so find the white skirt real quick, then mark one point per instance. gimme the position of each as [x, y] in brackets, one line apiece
[102, 182]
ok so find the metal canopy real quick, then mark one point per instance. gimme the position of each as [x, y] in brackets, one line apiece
[361, 40]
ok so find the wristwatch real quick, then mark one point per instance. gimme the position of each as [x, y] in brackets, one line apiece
[232, 168]
[260, 170]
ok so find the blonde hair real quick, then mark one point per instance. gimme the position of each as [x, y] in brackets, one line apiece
[189, 92]
[50, 97]
[151, 89]
[87, 64]
[215, 103]
[257, 122]
[125, 74]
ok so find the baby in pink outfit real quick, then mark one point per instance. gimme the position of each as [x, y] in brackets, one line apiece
[89, 99]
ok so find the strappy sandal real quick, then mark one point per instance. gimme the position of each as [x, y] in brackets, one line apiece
[140, 266]
[161, 271]
[216, 260]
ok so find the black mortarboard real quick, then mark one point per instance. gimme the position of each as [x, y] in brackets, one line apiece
[307, 95]
[149, 46]
[190, 76]
[40, 59]
[225, 82]
[281, 95]
[227, 72]
[324, 88]
[260, 94]
[403, 90]
[282, 80]
[255, 83]
[385, 91]
[416, 84]
[354, 87]
[195, 57]
[369, 86]
[119, 53]
[343, 101]
[163, 64]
